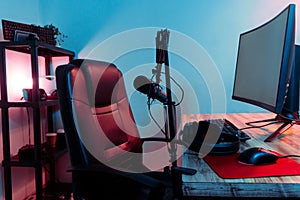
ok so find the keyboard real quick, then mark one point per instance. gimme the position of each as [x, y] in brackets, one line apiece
[44, 34]
[229, 127]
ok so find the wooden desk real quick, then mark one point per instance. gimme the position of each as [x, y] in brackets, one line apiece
[206, 183]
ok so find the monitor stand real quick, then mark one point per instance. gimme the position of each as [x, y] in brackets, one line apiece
[288, 122]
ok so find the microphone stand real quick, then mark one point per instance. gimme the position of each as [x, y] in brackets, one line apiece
[162, 57]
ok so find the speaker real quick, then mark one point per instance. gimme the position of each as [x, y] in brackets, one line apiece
[194, 134]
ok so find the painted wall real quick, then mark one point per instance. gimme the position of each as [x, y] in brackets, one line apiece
[213, 25]
[203, 43]
[202, 48]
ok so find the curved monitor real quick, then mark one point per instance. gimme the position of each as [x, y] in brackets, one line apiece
[264, 65]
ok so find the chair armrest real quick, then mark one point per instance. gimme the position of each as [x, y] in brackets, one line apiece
[155, 139]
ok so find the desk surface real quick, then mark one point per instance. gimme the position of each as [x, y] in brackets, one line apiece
[206, 183]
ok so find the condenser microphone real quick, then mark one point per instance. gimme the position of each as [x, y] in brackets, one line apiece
[151, 89]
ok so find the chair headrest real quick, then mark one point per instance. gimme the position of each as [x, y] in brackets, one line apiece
[103, 80]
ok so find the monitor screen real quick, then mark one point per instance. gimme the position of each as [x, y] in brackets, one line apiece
[264, 62]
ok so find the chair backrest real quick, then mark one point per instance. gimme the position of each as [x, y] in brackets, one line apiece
[96, 114]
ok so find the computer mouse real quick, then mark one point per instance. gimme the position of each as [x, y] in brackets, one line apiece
[258, 156]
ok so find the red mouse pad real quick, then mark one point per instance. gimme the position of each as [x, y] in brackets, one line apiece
[228, 166]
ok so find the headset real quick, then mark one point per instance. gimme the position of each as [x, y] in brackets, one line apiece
[194, 133]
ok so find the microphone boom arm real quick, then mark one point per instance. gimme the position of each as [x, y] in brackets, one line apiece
[162, 57]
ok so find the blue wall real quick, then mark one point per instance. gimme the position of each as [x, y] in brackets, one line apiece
[213, 25]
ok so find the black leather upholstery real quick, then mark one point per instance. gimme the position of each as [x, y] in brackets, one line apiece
[98, 88]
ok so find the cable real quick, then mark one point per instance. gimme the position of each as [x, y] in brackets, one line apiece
[250, 125]
[182, 91]
[287, 156]
[149, 110]
[149, 103]
[178, 85]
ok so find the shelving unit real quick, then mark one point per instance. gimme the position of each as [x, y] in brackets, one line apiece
[35, 49]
